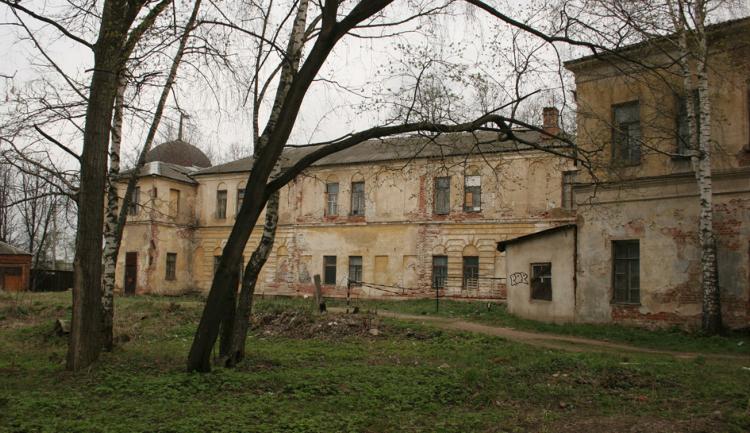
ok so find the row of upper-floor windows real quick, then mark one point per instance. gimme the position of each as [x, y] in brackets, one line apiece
[357, 202]
[627, 139]
[137, 204]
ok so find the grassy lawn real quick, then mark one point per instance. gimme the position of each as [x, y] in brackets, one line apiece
[497, 314]
[329, 374]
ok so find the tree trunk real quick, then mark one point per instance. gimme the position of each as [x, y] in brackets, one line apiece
[712, 321]
[111, 242]
[116, 220]
[85, 335]
[249, 281]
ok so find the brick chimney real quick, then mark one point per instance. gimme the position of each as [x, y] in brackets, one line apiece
[551, 121]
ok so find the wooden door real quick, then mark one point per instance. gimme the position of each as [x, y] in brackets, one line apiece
[131, 272]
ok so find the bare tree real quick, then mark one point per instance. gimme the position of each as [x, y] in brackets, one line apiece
[675, 30]
[223, 313]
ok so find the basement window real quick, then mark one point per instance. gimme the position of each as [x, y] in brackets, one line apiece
[171, 274]
[541, 281]
[626, 279]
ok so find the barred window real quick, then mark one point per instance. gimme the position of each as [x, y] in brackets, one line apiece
[541, 281]
[471, 272]
[439, 271]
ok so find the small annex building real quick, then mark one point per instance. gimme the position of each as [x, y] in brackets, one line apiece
[541, 270]
[15, 267]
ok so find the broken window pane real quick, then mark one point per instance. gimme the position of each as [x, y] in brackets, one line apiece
[626, 271]
[355, 270]
[329, 270]
[439, 271]
[471, 272]
[626, 134]
[442, 195]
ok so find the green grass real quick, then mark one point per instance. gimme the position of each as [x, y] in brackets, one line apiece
[409, 378]
[497, 314]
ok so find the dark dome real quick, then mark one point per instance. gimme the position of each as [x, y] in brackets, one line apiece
[180, 153]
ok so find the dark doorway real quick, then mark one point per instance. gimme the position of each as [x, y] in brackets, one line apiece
[131, 272]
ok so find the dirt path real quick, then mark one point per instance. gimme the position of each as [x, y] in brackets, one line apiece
[551, 341]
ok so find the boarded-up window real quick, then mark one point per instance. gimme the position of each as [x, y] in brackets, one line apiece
[541, 281]
[358, 198]
[355, 270]
[473, 194]
[332, 199]
[174, 203]
[439, 271]
[135, 202]
[626, 271]
[442, 195]
[171, 273]
[471, 272]
[381, 269]
[221, 204]
[626, 134]
[329, 270]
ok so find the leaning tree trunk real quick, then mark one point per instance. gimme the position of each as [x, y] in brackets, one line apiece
[236, 352]
[85, 334]
[111, 244]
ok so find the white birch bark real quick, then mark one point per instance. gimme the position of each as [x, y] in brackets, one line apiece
[700, 148]
[116, 218]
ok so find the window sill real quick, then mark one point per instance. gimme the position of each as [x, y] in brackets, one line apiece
[533, 300]
[625, 304]
[680, 158]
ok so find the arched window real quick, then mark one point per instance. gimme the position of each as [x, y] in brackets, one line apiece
[221, 201]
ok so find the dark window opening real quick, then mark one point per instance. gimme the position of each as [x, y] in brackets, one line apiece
[332, 199]
[216, 263]
[471, 272]
[329, 270]
[355, 270]
[439, 271]
[358, 198]
[541, 281]
[134, 202]
[171, 266]
[626, 272]
[240, 199]
[442, 195]
[626, 135]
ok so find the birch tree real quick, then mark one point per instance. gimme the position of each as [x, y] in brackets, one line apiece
[678, 28]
